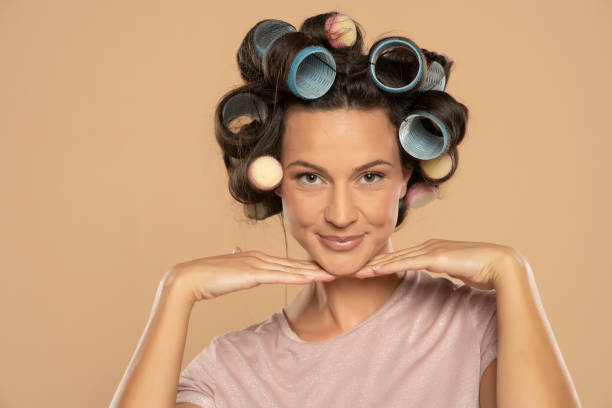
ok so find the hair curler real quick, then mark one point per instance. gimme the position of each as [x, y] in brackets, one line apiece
[385, 46]
[421, 194]
[243, 105]
[438, 168]
[428, 76]
[313, 69]
[435, 79]
[420, 142]
[265, 173]
[340, 31]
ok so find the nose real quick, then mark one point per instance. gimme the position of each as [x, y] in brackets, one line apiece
[340, 210]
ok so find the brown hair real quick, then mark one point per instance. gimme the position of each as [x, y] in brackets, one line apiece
[352, 88]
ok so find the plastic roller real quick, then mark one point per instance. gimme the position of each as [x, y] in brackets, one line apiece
[242, 105]
[418, 141]
[313, 69]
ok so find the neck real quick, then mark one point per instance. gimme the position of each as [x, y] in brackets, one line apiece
[336, 306]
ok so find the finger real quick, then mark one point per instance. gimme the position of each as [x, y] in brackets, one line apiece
[412, 253]
[318, 273]
[287, 262]
[397, 264]
[422, 261]
[285, 277]
[395, 254]
[365, 272]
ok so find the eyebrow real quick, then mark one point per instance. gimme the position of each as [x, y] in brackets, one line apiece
[322, 170]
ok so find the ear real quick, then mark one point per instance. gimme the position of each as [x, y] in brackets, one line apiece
[277, 191]
[407, 173]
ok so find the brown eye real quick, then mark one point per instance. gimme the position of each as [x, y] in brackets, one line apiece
[372, 177]
[309, 177]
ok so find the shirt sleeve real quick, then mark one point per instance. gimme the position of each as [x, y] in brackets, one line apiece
[196, 381]
[482, 306]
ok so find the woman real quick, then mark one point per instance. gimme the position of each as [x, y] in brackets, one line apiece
[334, 157]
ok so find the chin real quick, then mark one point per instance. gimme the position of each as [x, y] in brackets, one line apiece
[341, 263]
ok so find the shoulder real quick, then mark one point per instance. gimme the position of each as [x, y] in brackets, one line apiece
[446, 286]
[480, 304]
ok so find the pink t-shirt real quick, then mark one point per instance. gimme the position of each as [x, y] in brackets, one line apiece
[426, 346]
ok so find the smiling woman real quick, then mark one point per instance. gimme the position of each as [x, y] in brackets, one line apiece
[340, 144]
[354, 159]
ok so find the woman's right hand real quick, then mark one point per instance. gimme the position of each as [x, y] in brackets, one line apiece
[207, 278]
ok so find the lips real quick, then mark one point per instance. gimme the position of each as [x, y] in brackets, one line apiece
[340, 243]
[341, 238]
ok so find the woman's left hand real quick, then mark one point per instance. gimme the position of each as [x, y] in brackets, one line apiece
[478, 264]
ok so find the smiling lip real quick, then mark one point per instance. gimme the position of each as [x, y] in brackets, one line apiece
[340, 243]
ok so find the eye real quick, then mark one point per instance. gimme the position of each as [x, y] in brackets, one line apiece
[372, 176]
[309, 176]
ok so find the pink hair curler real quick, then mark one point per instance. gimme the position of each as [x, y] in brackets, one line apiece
[420, 194]
[340, 31]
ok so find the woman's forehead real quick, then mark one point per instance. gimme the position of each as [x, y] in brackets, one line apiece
[339, 132]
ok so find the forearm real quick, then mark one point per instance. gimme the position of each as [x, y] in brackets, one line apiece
[151, 378]
[530, 368]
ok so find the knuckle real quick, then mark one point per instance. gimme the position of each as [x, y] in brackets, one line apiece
[255, 261]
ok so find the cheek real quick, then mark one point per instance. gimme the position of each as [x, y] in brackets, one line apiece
[299, 211]
[382, 209]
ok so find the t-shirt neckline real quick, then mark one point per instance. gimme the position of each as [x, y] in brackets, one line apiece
[288, 331]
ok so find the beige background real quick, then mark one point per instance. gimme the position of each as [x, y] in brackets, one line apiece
[110, 173]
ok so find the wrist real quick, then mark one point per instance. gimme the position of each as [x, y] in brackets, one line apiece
[511, 271]
[175, 286]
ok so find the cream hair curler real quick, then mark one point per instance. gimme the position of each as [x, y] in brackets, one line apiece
[265, 173]
[313, 69]
[438, 168]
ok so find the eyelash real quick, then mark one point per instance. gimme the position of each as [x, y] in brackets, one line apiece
[380, 176]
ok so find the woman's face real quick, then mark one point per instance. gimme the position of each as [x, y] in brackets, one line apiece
[343, 177]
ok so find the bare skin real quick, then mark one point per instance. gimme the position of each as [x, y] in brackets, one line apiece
[340, 202]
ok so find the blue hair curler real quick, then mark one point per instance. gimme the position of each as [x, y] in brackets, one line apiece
[384, 45]
[435, 79]
[419, 142]
[312, 72]
[267, 32]
[241, 105]
[313, 69]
